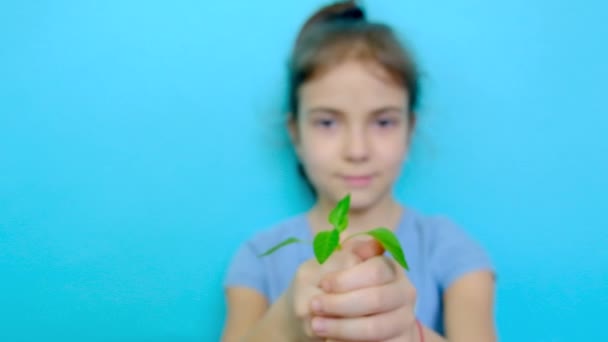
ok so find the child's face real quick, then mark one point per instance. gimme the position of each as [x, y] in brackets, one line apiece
[352, 133]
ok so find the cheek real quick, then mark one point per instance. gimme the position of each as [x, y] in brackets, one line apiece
[393, 152]
[394, 157]
[316, 152]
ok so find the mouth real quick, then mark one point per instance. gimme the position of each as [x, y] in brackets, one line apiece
[357, 181]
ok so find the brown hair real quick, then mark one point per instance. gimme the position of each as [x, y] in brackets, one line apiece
[338, 32]
[341, 31]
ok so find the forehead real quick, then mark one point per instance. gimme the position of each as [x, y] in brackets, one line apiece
[352, 86]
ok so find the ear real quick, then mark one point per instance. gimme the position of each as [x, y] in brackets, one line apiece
[412, 121]
[411, 124]
[294, 135]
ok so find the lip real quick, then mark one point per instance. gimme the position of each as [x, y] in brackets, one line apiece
[357, 181]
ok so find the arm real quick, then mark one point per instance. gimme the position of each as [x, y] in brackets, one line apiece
[244, 308]
[250, 319]
[469, 309]
[431, 336]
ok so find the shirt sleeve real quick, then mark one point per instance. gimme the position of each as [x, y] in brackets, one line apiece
[455, 254]
[247, 270]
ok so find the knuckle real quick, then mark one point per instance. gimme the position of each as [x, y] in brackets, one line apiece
[411, 293]
[395, 324]
[308, 330]
[328, 305]
[409, 318]
[376, 300]
[407, 321]
[339, 306]
[301, 310]
[371, 329]
[377, 274]
[406, 316]
[300, 307]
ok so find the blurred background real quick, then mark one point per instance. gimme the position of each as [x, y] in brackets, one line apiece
[141, 142]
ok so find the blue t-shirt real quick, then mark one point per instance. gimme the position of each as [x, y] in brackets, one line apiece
[438, 252]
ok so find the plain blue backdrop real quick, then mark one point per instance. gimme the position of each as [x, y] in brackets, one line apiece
[141, 142]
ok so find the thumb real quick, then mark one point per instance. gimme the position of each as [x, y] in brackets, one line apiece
[365, 248]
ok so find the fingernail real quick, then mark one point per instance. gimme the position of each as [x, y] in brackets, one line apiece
[316, 306]
[318, 325]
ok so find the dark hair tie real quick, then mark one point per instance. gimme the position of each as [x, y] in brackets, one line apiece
[350, 14]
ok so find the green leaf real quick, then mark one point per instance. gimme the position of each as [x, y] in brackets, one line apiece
[338, 216]
[325, 243]
[389, 241]
[343, 224]
[289, 241]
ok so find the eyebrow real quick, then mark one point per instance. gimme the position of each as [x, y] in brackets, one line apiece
[323, 110]
[333, 111]
[388, 109]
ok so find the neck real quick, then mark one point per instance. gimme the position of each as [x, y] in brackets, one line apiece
[384, 213]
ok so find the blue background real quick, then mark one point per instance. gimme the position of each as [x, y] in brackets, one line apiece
[141, 142]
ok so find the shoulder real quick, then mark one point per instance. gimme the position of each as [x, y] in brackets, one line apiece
[295, 226]
[437, 229]
[247, 269]
[450, 249]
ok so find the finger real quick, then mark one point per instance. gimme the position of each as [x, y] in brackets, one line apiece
[379, 327]
[363, 302]
[353, 252]
[339, 260]
[368, 249]
[376, 271]
[301, 291]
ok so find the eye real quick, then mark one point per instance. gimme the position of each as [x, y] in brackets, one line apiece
[386, 122]
[325, 123]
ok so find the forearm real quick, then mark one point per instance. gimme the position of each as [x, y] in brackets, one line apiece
[430, 336]
[272, 326]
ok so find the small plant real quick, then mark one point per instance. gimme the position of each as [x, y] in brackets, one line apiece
[328, 241]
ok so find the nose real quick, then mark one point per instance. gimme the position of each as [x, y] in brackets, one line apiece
[356, 145]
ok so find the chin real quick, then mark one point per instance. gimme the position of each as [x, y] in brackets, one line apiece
[363, 199]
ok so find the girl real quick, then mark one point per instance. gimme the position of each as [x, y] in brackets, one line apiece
[353, 95]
